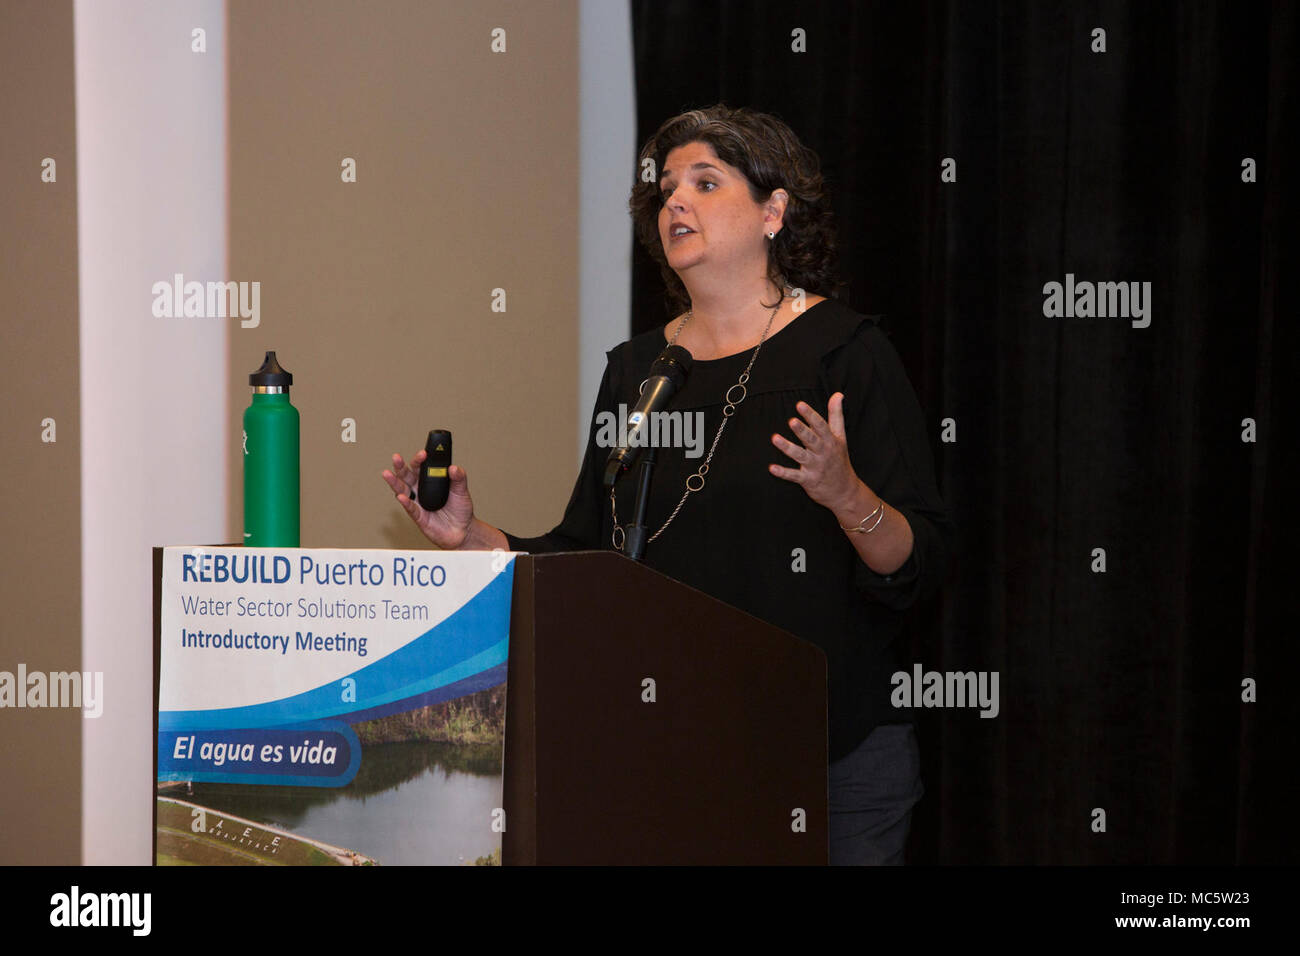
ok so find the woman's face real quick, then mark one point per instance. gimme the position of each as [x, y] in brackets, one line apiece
[711, 199]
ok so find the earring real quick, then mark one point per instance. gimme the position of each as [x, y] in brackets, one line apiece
[771, 235]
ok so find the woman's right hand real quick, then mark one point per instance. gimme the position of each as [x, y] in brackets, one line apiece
[449, 526]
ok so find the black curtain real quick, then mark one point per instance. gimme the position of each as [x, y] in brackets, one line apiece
[1120, 690]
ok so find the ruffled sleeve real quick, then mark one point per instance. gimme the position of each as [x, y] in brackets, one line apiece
[890, 451]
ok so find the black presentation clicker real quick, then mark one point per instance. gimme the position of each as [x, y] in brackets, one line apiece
[434, 480]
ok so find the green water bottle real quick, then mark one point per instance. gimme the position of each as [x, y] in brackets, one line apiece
[271, 460]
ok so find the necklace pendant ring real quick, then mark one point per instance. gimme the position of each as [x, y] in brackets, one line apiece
[690, 486]
[744, 392]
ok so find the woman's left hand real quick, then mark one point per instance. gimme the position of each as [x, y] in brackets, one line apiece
[824, 471]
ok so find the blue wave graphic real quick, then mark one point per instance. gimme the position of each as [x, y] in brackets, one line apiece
[469, 648]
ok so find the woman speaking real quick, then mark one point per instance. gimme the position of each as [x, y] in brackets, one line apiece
[813, 505]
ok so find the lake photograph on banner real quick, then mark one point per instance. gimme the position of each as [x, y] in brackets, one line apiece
[328, 707]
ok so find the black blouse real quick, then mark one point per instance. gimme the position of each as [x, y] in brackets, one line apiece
[759, 542]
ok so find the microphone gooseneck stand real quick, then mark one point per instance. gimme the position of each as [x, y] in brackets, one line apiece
[637, 532]
[667, 375]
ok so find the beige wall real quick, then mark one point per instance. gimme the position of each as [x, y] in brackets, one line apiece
[40, 566]
[377, 294]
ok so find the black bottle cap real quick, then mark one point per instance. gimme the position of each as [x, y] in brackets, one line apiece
[270, 374]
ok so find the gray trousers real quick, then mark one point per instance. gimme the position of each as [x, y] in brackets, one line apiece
[872, 792]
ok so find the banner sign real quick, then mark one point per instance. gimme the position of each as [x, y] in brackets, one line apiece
[289, 673]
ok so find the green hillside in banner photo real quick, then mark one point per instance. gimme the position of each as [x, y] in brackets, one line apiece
[466, 721]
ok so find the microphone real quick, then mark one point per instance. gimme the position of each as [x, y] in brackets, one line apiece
[667, 375]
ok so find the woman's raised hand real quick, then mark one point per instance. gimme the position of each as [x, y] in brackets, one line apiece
[447, 527]
[824, 471]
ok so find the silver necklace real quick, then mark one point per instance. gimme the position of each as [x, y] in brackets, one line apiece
[695, 482]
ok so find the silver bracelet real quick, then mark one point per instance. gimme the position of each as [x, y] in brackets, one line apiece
[861, 528]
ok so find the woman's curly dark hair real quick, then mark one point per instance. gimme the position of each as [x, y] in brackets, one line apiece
[770, 156]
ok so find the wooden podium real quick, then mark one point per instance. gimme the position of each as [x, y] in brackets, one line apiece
[647, 723]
